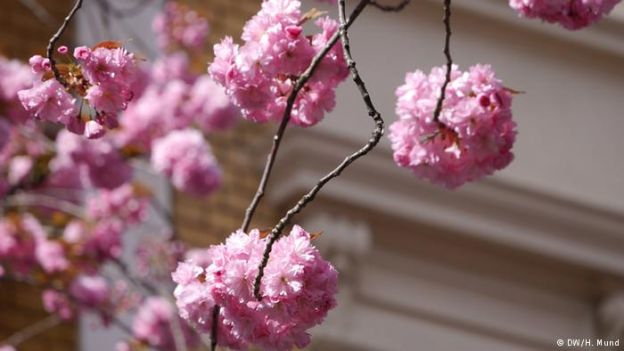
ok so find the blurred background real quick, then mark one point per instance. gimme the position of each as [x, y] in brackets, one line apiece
[512, 263]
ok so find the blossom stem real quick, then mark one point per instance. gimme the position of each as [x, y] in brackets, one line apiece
[56, 37]
[32, 330]
[373, 141]
[449, 59]
[215, 327]
[277, 138]
[390, 8]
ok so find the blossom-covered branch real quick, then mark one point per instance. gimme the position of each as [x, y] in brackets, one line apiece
[376, 136]
[449, 59]
[277, 138]
[56, 37]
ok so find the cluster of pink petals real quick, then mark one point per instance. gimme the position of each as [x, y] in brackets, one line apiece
[186, 159]
[125, 203]
[297, 291]
[98, 87]
[14, 76]
[20, 238]
[155, 323]
[177, 27]
[473, 136]
[174, 99]
[571, 14]
[86, 292]
[260, 74]
[97, 161]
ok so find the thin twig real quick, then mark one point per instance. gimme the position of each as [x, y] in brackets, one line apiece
[390, 8]
[374, 140]
[32, 330]
[123, 268]
[215, 327]
[56, 37]
[449, 59]
[277, 138]
[24, 199]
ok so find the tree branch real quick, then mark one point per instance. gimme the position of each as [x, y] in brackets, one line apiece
[215, 327]
[449, 59]
[373, 141]
[32, 330]
[56, 37]
[277, 138]
[389, 8]
[25, 199]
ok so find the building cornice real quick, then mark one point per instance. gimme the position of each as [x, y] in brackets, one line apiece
[607, 35]
[490, 210]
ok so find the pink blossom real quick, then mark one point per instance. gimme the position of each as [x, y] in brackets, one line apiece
[473, 136]
[186, 158]
[90, 290]
[98, 88]
[104, 241]
[178, 27]
[49, 101]
[7, 348]
[260, 74]
[56, 302]
[571, 14]
[103, 164]
[19, 169]
[125, 203]
[297, 290]
[18, 240]
[211, 106]
[153, 325]
[51, 256]
[94, 130]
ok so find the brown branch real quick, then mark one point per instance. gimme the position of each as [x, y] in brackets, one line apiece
[215, 327]
[449, 59]
[140, 283]
[373, 141]
[56, 37]
[277, 138]
[32, 330]
[389, 8]
[26, 199]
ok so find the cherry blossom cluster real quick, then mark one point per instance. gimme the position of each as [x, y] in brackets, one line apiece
[297, 290]
[186, 159]
[174, 99]
[14, 76]
[95, 86]
[473, 135]
[178, 27]
[260, 74]
[155, 321]
[571, 14]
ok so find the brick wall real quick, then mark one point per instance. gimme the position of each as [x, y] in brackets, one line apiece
[20, 305]
[205, 221]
